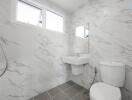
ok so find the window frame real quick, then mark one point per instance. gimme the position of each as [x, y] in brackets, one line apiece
[30, 5]
[43, 9]
[57, 15]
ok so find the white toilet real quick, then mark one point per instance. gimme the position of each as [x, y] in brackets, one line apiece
[113, 77]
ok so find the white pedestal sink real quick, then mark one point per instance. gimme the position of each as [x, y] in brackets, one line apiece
[77, 63]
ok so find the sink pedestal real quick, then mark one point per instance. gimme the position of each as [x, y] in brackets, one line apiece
[77, 69]
[77, 63]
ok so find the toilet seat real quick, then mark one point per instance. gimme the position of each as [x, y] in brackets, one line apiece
[102, 91]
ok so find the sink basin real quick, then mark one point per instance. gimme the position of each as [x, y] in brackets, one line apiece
[75, 60]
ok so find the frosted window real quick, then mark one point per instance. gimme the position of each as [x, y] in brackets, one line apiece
[54, 21]
[28, 14]
[80, 31]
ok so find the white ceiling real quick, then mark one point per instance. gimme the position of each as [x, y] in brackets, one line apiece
[69, 5]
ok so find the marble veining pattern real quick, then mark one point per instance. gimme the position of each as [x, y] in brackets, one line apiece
[21, 75]
[34, 58]
[110, 34]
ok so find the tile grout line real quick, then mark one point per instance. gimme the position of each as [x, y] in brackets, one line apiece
[60, 90]
[69, 86]
[65, 93]
[49, 95]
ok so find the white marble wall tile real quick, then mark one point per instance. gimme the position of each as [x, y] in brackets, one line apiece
[34, 58]
[110, 32]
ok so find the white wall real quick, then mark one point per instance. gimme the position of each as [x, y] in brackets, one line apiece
[110, 32]
[34, 57]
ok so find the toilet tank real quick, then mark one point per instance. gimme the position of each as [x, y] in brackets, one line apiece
[113, 73]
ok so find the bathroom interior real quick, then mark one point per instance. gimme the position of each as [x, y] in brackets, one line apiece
[65, 49]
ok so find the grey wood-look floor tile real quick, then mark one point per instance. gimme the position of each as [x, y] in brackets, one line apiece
[65, 86]
[86, 94]
[78, 87]
[72, 91]
[54, 91]
[66, 91]
[125, 94]
[80, 96]
[71, 83]
[61, 96]
[43, 96]
[30, 99]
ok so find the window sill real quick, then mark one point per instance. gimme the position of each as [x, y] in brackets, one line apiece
[34, 26]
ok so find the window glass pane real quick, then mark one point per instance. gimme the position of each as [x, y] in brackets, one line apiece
[54, 21]
[80, 31]
[28, 14]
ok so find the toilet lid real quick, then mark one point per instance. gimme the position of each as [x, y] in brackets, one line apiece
[102, 91]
